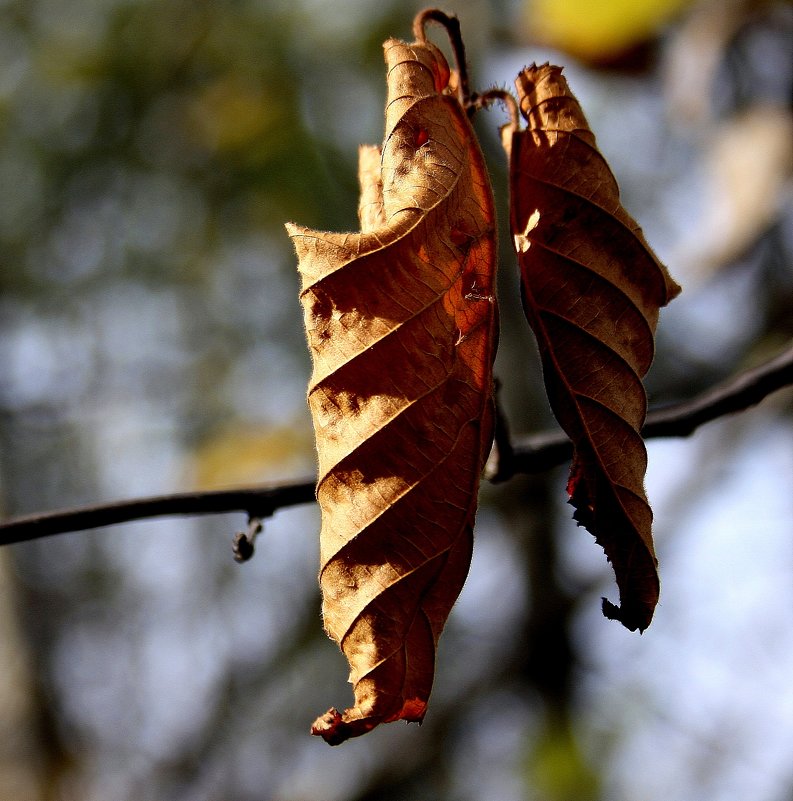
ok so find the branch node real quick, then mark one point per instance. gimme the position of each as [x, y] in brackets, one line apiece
[243, 544]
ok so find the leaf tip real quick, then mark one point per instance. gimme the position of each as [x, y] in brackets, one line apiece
[331, 727]
[334, 727]
[632, 618]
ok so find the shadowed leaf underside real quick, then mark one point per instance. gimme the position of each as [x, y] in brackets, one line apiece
[591, 289]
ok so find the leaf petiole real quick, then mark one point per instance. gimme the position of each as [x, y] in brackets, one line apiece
[452, 26]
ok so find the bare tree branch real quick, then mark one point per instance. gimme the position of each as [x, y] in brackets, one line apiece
[539, 452]
[257, 502]
[531, 455]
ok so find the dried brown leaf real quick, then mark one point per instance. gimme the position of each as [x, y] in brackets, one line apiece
[591, 290]
[401, 322]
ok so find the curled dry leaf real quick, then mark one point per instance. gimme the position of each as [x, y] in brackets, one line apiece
[401, 323]
[591, 290]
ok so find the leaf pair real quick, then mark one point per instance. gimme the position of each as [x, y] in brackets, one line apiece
[401, 325]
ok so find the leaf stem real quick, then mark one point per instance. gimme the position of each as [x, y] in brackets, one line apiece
[452, 26]
[501, 96]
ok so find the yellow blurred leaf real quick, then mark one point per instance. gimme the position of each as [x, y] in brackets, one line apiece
[597, 31]
[557, 770]
[233, 112]
[243, 454]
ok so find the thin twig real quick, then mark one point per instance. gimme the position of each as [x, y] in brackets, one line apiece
[258, 502]
[502, 452]
[744, 390]
[530, 455]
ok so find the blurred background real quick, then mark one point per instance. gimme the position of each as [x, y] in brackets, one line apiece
[151, 341]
